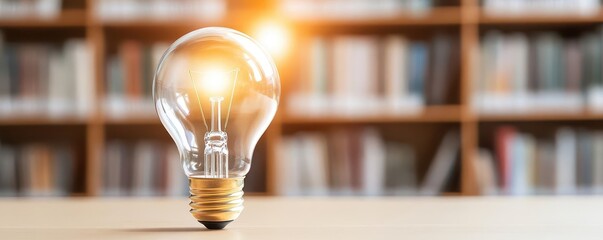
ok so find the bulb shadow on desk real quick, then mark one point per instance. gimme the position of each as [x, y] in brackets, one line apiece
[167, 229]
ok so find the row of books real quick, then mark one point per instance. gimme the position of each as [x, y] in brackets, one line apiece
[46, 79]
[120, 10]
[541, 7]
[343, 9]
[37, 169]
[543, 72]
[129, 75]
[142, 168]
[28, 8]
[570, 162]
[364, 75]
[360, 162]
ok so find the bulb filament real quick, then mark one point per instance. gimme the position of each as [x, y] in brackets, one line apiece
[216, 149]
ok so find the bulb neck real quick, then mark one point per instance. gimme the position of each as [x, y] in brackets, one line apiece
[216, 114]
[216, 149]
[216, 201]
[216, 155]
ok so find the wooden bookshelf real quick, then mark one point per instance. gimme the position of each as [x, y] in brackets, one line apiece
[548, 117]
[467, 17]
[67, 18]
[24, 121]
[132, 121]
[428, 114]
[485, 18]
[154, 23]
[436, 16]
[233, 18]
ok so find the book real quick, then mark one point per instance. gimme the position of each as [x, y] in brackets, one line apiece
[373, 163]
[485, 173]
[288, 173]
[441, 167]
[37, 169]
[314, 167]
[340, 162]
[541, 7]
[46, 80]
[127, 10]
[562, 164]
[114, 159]
[64, 169]
[597, 164]
[83, 76]
[565, 161]
[537, 73]
[395, 70]
[345, 162]
[546, 165]
[442, 69]
[504, 151]
[143, 168]
[177, 182]
[522, 165]
[129, 79]
[400, 169]
[584, 162]
[5, 78]
[44, 9]
[338, 9]
[8, 170]
[354, 86]
[369, 75]
[418, 60]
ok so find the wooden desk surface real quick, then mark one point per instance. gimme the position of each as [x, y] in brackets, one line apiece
[309, 218]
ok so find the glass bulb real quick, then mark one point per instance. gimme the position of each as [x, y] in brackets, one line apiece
[216, 91]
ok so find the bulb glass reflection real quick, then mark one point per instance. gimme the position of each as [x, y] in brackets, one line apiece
[216, 91]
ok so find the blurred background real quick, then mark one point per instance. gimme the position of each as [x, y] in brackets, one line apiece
[380, 97]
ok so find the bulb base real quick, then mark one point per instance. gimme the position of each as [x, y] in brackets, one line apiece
[215, 202]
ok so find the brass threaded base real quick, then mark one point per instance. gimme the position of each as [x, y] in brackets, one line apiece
[216, 199]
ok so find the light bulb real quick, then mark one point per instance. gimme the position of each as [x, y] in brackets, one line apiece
[216, 91]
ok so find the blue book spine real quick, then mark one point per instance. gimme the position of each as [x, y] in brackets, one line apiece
[13, 70]
[418, 68]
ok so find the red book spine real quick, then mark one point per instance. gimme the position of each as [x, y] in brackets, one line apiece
[131, 55]
[503, 138]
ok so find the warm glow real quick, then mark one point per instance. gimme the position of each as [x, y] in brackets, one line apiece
[273, 37]
[215, 82]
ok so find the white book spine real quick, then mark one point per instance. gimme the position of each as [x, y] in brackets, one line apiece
[565, 161]
[373, 163]
[395, 71]
[315, 164]
[598, 162]
[442, 164]
[176, 179]
[84, 78]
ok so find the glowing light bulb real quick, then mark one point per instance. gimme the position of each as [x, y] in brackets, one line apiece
[214, 81]
[216, 91]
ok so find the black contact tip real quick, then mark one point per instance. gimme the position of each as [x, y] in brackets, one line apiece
[215, 225]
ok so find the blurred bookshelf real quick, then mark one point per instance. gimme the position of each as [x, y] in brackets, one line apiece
[395, 81]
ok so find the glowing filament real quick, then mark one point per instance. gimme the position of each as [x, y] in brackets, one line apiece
[215, 84]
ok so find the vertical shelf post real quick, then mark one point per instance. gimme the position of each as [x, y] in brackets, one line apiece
[469, 124]
[95, 128]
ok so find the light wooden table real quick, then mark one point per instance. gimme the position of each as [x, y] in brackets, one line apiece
[309, 218]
